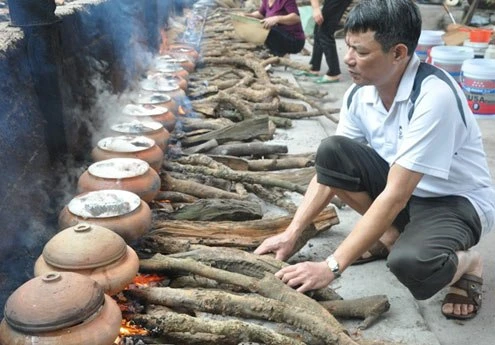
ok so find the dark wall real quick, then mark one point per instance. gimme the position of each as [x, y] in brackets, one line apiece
[102, 49]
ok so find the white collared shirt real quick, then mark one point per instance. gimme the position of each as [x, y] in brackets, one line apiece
[435, 141]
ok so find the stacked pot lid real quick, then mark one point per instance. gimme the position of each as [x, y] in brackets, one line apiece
[118, 210]
[93, 251]
[129, 146]
[129, 174]
[60, 308]
[150, 129]
[143, 112]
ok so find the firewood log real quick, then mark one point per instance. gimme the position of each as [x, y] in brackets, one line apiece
[241, 331]
[269, 287]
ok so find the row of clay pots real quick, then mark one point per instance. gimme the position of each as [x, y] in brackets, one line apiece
[68, 302]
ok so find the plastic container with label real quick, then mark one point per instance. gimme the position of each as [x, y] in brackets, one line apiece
[450, 58]
[478, 83]
[427, 40]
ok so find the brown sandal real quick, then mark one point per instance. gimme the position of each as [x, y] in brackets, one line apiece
[378, 251]
[472, 285]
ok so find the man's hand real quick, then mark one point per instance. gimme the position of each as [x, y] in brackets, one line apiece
[282, 245]
[270, 22]
[317, 16]
[306, 275]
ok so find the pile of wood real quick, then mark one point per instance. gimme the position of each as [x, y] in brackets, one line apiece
[210, 213]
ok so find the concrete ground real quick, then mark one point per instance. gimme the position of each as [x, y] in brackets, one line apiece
[408, 321]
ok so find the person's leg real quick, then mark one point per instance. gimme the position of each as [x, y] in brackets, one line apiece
[332, 13]
[357, 175]
[317, 53]
[433, 251]
[280, 43]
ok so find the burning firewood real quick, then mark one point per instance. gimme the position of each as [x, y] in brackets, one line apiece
[268, 286]
[232, 331]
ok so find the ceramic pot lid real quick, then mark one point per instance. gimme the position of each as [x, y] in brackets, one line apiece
[126, 143]
[119, 168]
[144, 110]
[84, 246]
[104, 203]
[53, 301]
[136, 127]
[159, 84]
[151, 98]
[168, 65]
[171, 59]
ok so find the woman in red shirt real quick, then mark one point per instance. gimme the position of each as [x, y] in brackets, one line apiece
[282, 18]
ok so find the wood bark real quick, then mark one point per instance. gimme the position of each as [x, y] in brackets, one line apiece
[368, 308]
[248, 234]
[248, 149]
[279, 163]
[268, 286]
[234, 176]
[217, 210]
[175, 197]
[167, 321]
[193, 188]
[247, 129]
[249, 306]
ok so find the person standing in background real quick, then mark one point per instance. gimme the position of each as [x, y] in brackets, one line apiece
[282, 18]
[327, 20]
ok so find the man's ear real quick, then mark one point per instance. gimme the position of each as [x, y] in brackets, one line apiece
[400, 51]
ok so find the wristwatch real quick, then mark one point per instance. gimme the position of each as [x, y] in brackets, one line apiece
[334, 266]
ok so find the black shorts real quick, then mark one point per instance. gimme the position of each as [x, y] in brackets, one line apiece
[432, 229]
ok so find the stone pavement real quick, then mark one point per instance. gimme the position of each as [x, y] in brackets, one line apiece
[408, 321]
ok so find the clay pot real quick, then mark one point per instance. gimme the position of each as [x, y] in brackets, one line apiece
[182, 82]
[179, 59]
[170, 67]
[186, 49]
[166, 86]
[118, 210]
[60, 308]
[93, 251]
[151, 112]
[159, 99]
[130, 174]
[129, 146]
[149, 129]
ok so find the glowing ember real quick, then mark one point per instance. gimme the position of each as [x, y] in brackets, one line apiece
[146, 279]
[127, 329]
[181, 110]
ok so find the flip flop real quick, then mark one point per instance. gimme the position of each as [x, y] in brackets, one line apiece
[378, 251]
[325, 80]
[302, 73]
[473, 287]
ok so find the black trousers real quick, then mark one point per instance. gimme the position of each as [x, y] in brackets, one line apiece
[431, 229]
[324, 36]
[279, 42]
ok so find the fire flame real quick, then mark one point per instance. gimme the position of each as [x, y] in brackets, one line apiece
[144, 280]
[127, 328]
[181, 110]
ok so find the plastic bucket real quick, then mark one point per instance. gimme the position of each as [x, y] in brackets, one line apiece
[427, 40]
[478, 83]
[450, 58]
[478, 47]
[480, 35]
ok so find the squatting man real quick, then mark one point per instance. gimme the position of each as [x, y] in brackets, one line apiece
[408, 156]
